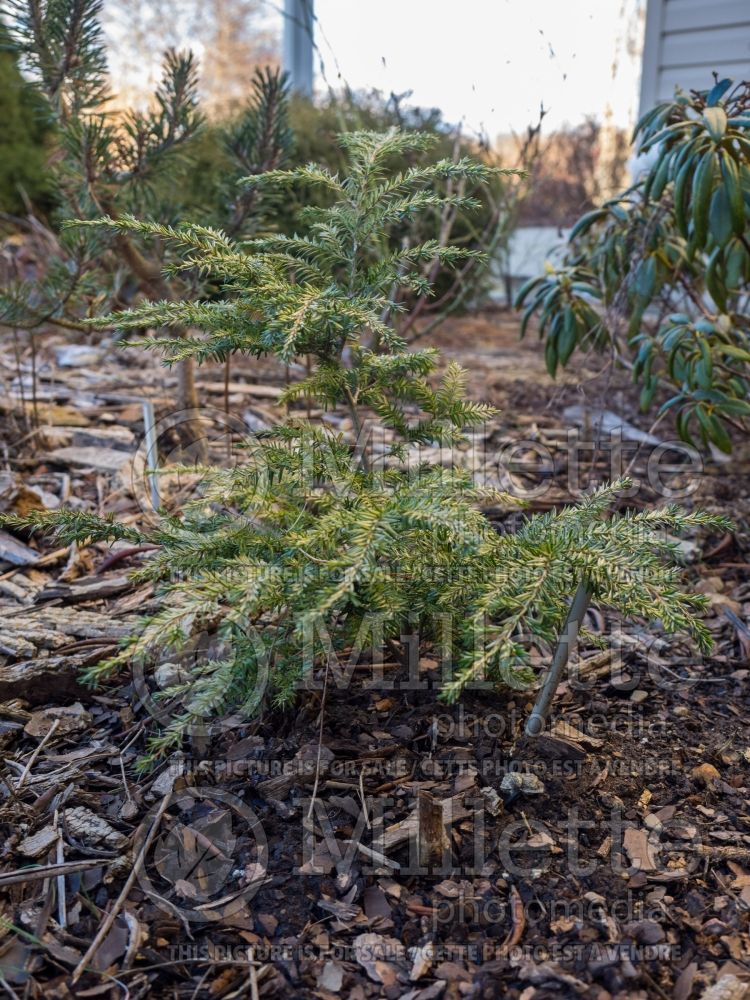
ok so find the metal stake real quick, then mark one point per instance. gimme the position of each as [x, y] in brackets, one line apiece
[538, 718]
[152, 453]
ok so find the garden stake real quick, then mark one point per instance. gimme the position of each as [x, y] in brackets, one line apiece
[152, 455]
[538, 718]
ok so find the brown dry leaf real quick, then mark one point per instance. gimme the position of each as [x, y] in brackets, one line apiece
[638, 849]
[541, 840]
[448, 888]
[567, 732]
[63, 953]
[563, 924]
[376, 954]
[268, 922]
[421, 961]
[71, 719]
[112, 947]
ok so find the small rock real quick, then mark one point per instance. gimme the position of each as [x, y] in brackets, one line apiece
[167, 675]
[646, 931]
[689, 551]
[255, 423]
[715, 927]
[729, 987]
[331, 977]
[520, 781]
[77, 355]
[705, 774]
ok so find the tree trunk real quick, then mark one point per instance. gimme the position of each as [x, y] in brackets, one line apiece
[191, 429]
[151, 278]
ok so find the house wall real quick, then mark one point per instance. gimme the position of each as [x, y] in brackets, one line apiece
[686, 40]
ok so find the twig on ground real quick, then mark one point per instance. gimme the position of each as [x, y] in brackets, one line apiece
[320, 740]
[47, 871]
[518, 925]
[33, 758]
[120, 901]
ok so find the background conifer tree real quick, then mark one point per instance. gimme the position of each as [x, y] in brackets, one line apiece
[110, 162]
[24, 139]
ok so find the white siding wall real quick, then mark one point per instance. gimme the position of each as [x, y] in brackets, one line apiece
[686, 40]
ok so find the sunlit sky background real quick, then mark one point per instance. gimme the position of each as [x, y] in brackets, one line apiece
[487, 63]
[490, 62]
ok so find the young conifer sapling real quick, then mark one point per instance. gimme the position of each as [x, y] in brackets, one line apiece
[321, 542]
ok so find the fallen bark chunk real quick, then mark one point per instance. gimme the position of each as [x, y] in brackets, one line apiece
[77, 355]
[39, 843]
[433, 839]
[85, 825]
[115, 438]
[15, 552]
[91, 457]
[87, 589]
[378, 957]
[47, 679]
